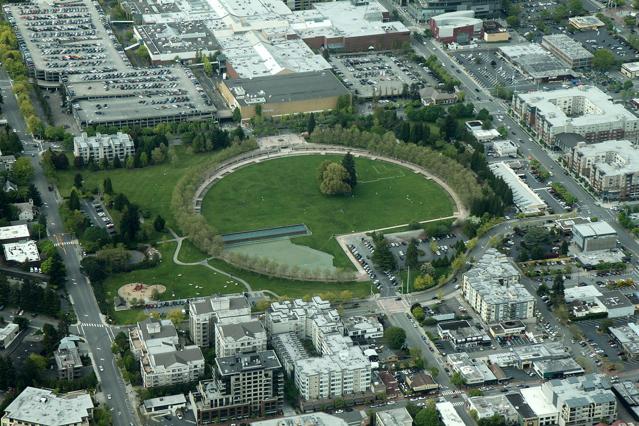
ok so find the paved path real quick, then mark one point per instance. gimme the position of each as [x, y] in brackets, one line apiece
[204, 262]
[314, 149]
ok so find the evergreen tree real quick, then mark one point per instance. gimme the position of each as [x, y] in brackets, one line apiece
[74, 200]
[348, 162]
[310, 125]
[159, 223]
[412, 256]
[558, 285]
[107, 186]
[77, 180]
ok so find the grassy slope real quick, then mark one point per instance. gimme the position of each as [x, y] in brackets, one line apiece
[285, 192]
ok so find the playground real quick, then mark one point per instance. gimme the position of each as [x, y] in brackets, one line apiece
[140, 292]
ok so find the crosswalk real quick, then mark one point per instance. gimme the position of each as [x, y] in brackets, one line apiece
[65, 243]
[92, 324]
[458, 403]
[449, 392]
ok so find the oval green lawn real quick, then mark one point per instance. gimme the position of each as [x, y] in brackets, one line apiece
[285, 192]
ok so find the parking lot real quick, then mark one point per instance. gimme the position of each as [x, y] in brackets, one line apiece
[602, 39]
[490, 70]
[379, 74]
[600, 346]
[98, 216]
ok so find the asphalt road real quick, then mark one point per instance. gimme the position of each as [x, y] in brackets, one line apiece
[97, 335]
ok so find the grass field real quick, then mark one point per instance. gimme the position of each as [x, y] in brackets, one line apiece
[188, 281]
[150, 187]
[285, 192]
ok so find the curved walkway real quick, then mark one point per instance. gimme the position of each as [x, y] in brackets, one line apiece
[204, 262]
[310, 149]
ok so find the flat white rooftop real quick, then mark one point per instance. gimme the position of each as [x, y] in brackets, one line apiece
[14, 232]
[21, 252]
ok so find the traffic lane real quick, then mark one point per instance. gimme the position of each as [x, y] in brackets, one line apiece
[416, 338]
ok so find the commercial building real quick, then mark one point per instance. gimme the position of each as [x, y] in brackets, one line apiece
[610, 167]
[448, 415]
[423, 10]
[493, 290]
[162, 361]
[204, 313]
[557, 368]
[504, 148]
[628, 395]
[67, 359]
[630, 69]
[615, 304]
[365, 328]
[594, 236]
[585, 23]
[432, 96]
[533, 60]
[537, 408]
[569, 51]
[284, 94]
[495, 33]
[526, 200]
[42, 407]
[22, 252]
[244, 386]
[461, 334]
[493, 405]
[481, 134]
[586, 294]
[523, 357]
[394, 417]
[456, 27]
[101, 147]
[473, 371]
[244, 337]
[311, 419]
[164, 404]
[14, 233]
[421, 381]
[627, 336]
[584, 110]
[8, 334]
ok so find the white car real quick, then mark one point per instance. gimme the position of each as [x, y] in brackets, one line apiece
[109, 396]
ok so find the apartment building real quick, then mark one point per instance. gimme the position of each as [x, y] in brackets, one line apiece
[245, 337]
[67, 359]
[492, 288]
[584, 110]
[244, 386]
[610, 167]
[43, 407]
[205, 313]
[162, 361]
[101, 147]
[575, 401]
[341, 370]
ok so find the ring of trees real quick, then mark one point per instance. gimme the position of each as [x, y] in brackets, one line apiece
[193, 186]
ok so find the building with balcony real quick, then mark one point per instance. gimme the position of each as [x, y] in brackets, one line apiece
[205, 313]
[67, 359]
[244, 337]
[43, 407]
[103, 147]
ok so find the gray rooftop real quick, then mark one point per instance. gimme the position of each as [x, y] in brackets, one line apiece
[240, 363]
[43, 407]
[579, 391]
[612, 158]
[286, 88]
[240, 330]
[187, 355]
[152, 328]
[569, 47]
[165, 400]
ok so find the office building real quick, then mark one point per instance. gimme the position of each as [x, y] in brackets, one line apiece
[244, 386]
[569, 51]
[42, 407]
[493, 290]
[611, 168]
[423, 10]
[433, 96]
[393, 417]
[169, 404]
[14, 233]
[472, 370]
[586, 23]
[534, 61]
[241, 338]
[526, 200]
[584, 110]
[22, 252]
[456, 27]
[549, 369]
[365, 328]
[594, 236]
[586, 294]
[67, 359]
[204, 313]
[162, 361]
[615, 304]
[495, 33]
[630, 69]
[504, 148]
[311, 419]
[103, 147]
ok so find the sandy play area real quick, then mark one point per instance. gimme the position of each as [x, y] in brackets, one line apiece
[139, 291]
